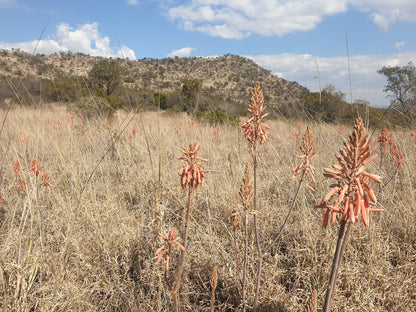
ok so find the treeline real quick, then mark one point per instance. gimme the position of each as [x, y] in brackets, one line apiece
[330, 106]
[106, 90]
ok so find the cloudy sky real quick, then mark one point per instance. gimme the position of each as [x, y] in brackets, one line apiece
[292, 38]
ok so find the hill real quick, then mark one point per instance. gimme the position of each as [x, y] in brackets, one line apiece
[228, 77]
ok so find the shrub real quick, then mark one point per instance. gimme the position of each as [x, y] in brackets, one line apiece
[218, 116]
[62, 90]
[93, 106]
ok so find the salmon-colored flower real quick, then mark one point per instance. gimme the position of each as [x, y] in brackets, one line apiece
[383, 139]
[17, 168]
[166, 249]
[191, 172]
[35, 168]
[22, 186]
[397, 156]
[246, 189]
[247, 193]
[308, 154]
[22, 137]
[45, 180]
[351, 191]
[254, 128]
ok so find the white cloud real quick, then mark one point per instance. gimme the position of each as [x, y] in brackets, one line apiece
[7, 3]
[381, 21]
[367, 84]
[184, 52]
[85, 39]
[238, 19]
[126, 53]
[386, 12]
[400, 45]
[132, 2]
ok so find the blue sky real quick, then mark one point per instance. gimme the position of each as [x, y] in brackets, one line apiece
[287, 37]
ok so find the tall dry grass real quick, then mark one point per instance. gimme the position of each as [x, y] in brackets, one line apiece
[88, 243]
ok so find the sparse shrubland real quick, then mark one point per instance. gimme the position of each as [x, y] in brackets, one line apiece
[194, 84]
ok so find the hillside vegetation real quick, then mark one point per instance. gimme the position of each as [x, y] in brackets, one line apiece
[228, 77]
[213, 89]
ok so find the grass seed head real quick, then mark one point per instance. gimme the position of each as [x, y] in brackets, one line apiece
[214, 278]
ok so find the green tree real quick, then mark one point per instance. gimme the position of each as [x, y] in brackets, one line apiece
[328, 106]
[106, 75]
[401, 88]
[159, 99]
[191, 88]
[62, 90]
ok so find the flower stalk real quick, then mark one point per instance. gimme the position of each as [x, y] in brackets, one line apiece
[350, 196]
[255, 133]
[191, 176]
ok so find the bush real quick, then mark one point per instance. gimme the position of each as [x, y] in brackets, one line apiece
[106, 75]
[62, 90]
[92, 106]
[218, 116]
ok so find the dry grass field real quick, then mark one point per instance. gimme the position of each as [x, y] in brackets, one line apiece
[87, 241]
